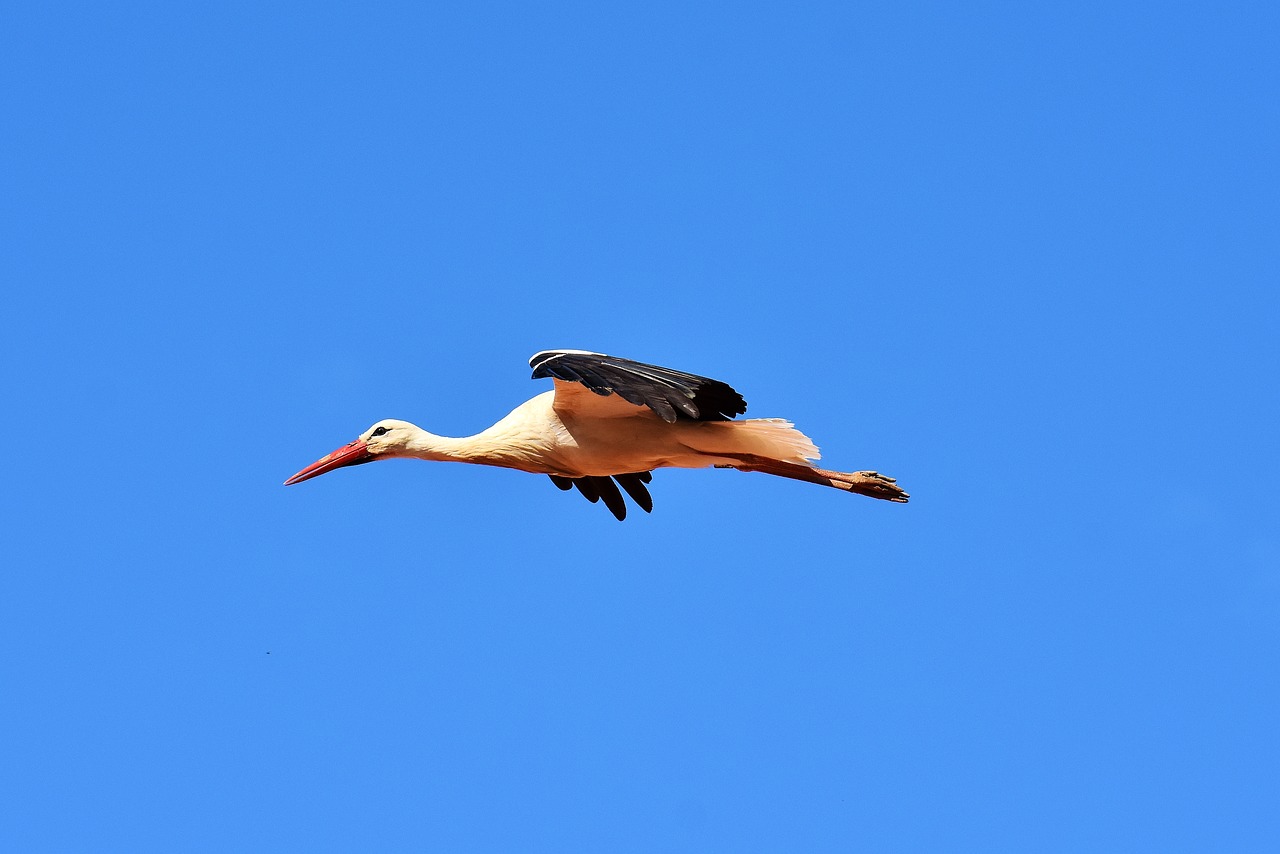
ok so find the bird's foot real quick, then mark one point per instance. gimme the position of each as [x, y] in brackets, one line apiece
[877, 485]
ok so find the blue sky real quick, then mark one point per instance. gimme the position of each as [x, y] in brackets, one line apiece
[1021, 257]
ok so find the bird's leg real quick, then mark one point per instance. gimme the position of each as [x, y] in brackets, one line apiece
[869, 483]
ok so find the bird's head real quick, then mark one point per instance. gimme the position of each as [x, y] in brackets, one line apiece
[384, 440]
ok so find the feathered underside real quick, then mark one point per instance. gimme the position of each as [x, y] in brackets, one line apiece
[672, 395]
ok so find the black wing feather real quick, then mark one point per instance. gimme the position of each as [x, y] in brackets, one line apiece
[602, 488]
[587, 486]
[611, 497]
[634, 484]
[671, 394]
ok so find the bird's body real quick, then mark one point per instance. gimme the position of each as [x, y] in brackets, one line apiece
[614, 418]
[536, 437]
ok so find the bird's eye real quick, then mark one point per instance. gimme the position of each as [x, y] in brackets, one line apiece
[380, 431]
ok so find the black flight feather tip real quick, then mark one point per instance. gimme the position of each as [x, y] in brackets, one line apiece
[602, 488]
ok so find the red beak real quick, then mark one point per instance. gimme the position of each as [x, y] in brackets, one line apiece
[348, 455]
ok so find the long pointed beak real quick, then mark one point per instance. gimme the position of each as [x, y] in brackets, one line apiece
[348, 455]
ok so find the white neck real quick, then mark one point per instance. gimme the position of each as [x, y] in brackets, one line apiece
[429, 446]
[525, 439]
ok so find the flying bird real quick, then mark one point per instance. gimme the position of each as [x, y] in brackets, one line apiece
[608, 423]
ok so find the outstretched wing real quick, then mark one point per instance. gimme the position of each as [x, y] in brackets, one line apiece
[597, 488]
[672, 395]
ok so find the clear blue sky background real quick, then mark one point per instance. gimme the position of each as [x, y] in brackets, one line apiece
[1022, 257]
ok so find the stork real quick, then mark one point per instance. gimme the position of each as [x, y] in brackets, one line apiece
[608, 423]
